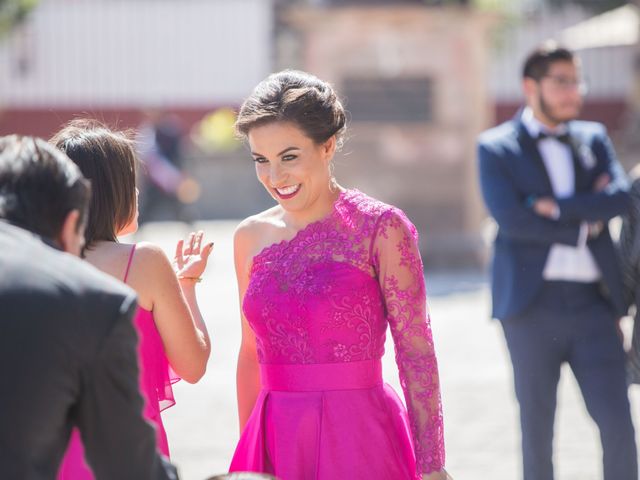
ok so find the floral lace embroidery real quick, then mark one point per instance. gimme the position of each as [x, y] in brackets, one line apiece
[328, 294]
[402, 281]
[354, 314]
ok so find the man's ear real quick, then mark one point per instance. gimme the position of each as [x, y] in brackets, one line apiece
[529, 87]
[71, 237]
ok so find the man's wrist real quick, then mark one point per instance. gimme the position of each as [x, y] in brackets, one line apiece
[595, 228]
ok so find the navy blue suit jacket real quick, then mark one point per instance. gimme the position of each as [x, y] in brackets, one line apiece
[511, 171]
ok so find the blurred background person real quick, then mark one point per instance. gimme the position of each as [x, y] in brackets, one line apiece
[67, 345]
[169, 323]
[167, 191]
[630, 260]
[552, 183]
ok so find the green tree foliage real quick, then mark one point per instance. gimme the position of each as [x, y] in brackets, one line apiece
[13, 12]
[597, 6]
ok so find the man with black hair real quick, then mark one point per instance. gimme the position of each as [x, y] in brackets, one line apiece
[67, 343]
[552, 183]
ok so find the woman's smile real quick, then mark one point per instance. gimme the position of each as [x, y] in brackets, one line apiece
[287, 192]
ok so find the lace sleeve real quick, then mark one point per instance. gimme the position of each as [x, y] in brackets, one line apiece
[397, 260]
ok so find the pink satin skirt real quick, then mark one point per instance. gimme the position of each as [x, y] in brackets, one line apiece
[326, 422]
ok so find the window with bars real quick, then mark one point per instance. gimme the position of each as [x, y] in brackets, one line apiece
[389, 99]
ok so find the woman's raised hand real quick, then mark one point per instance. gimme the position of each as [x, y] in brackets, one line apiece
[191, 257]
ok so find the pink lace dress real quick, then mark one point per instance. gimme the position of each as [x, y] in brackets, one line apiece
[156, 378]
[319, 305]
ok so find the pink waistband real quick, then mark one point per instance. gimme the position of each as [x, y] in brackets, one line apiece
[321, 376]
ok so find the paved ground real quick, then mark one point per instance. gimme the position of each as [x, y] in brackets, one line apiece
[479, 406]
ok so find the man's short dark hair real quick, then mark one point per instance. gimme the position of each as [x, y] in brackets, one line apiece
[39, 186]
[538, 62]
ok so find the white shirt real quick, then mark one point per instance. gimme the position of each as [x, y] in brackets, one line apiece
[564, 262]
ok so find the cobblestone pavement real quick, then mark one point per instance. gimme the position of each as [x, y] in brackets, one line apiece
[481, 423]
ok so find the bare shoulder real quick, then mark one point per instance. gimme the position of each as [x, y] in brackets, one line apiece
[150, 270]
[256, 228]
[151, 260]
[149, 252]
[256, 232]
[110, 257]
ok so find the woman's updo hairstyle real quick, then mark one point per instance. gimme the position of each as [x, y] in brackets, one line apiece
[296, 97]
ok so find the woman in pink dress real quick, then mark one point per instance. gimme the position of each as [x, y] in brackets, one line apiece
[173, 335]
[321, 275]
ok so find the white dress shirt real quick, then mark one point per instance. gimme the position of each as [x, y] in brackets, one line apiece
[564, 262]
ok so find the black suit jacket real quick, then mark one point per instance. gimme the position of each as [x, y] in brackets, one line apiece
[68, 358]
[511, 171]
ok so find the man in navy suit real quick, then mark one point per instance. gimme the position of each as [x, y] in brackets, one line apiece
[552, 183]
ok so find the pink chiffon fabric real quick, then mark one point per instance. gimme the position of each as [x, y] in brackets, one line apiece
[319, 305]
[156, 378]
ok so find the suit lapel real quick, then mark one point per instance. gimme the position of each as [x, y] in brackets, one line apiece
[532, 154]
[581, 175]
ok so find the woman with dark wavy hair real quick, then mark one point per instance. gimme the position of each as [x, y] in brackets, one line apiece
[321, 275]
[170, 327]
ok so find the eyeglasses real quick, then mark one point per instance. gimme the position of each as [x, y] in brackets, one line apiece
[567, 83]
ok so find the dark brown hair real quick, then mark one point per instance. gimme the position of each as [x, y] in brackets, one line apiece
[297, 97]
[538, 62]
[39, 186]
[107, 158]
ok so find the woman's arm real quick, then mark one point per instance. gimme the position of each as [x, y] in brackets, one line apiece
[175, 307]
[248, 373]
[398, 264]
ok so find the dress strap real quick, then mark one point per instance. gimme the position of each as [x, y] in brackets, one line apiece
[126, 272]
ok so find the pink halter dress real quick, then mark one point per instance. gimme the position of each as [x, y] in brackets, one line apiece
[319, 305]
[156, 378]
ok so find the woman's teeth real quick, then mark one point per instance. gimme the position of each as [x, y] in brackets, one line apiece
[288, 190]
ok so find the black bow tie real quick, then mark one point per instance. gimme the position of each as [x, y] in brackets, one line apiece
[563, 137]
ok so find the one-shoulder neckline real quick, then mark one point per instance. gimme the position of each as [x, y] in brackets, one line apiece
[313, 225]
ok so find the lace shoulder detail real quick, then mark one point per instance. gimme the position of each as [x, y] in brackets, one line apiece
[345, 234]
[359, 209]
